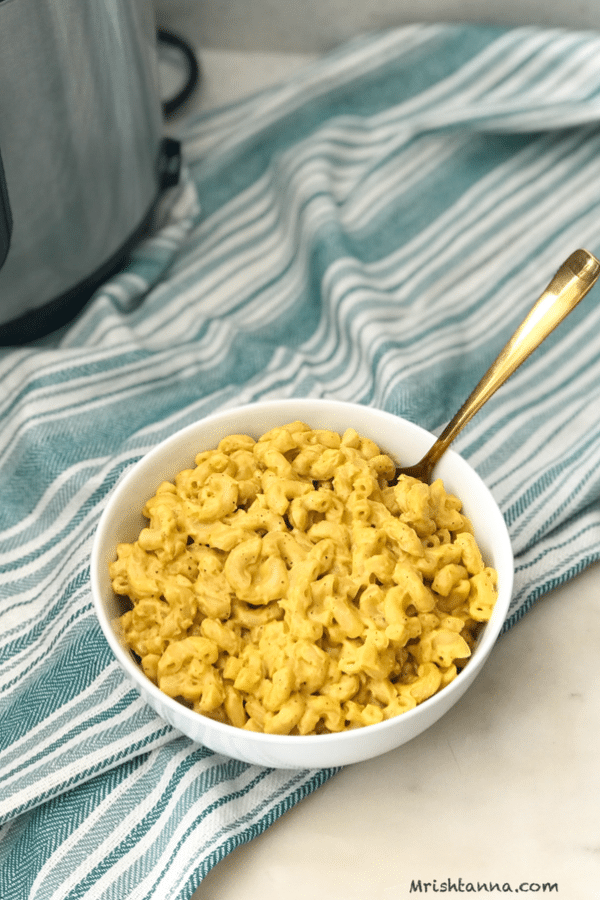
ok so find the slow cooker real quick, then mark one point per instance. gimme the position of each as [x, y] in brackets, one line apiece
[82, 153]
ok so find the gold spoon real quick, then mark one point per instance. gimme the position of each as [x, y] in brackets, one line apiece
[571, 283]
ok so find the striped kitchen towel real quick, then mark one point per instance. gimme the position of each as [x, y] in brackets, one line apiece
[372, 230]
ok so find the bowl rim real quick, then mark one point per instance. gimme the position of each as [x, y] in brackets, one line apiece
[133, 670]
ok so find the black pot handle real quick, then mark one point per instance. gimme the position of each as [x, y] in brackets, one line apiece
[5, 217]
[168, 39]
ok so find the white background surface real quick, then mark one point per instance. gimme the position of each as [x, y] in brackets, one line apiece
[505, 789]
[306, 26]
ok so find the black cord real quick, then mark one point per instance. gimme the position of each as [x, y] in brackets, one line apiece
[193, 70]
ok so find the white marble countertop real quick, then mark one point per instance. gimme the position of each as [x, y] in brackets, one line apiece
[504, 790]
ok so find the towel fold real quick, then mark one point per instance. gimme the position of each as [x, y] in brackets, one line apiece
[372, 230]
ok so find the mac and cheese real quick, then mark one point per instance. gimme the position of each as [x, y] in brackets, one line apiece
[285, 585]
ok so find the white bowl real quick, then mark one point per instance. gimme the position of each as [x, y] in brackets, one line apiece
[405, 442]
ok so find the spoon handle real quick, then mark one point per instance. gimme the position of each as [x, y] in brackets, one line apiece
[571, 283]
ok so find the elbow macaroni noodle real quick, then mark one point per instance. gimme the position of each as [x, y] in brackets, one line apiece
[285, 586]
